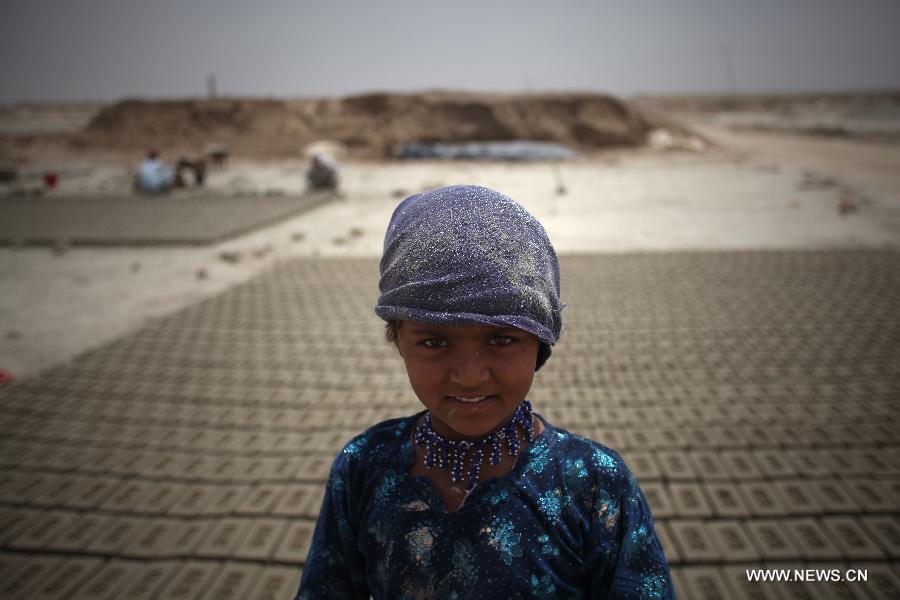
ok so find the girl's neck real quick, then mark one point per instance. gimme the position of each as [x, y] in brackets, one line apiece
[453, 493]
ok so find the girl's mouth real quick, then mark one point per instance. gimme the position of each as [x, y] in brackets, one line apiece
[470, 399]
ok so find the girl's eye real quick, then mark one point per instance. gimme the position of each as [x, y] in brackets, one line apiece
[502, 340]
[434, 343]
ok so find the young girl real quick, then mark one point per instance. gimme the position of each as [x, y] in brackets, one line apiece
[477, 496]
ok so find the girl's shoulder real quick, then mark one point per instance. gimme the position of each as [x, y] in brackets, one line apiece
[581, 453]
[385, 439]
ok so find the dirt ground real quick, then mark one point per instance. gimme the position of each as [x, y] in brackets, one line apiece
[745, 190]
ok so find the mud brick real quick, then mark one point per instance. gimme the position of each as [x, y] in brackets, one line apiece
[117, 534]
[736, 576]
[94, 461]
[151, 539]
[770, 539]
[731, 538]
[261, 499]
[224, 538]
[843, 463]
[673, 557]
[186, 536]
[125, 462]
[762, 500]
[643, 465]
[299, 500]
[294, 547]
[796, 437]
[773, 464]
[256, 469]
[193, 467]
[656, 434]
[161, 464]
[697, 437]
[195, 500]
[284, 442]
[833, 497]
[147, 580]
[61, 459]
[639, 439]
[726, 500]
[276, 582]
[674, 466]
[657, 497]
[28, 576]
[707, 465]
[191, 581]
[254, 441]
[612, 438]
[727, 437]
[45, 527]
[797, 496]
[90, 492]
[234, 581]
[689, 500]
[82, 529]
[760, 437]
[316, 419]
[65, 579]
[225, 468]
[105, 582]
[10, 562]
[693, 541]
[871, 496]
[226, 500]
[314, 468]
[812, 541]
[705, 583]
[126, 496]
[740, 465]
[842, 590]
[23, 488]
[13, 522]
[855, 543]
[808, 462]
[799, 590]
[159, 498]
[225, 441]
[284, 469]
[886, 531]
[873, 462]
[678, 582]
[891, 488]
[261, 539]
[882, 581]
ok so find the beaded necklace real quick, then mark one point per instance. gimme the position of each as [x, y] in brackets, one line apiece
[444, 452]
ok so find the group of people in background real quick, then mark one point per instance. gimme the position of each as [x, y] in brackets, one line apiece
[154, 176]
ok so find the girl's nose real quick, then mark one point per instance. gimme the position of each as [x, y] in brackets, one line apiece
[470, 370]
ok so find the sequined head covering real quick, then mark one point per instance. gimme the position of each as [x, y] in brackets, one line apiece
[467, 255]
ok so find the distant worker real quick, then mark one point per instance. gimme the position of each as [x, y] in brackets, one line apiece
[322, 173]
[153, 175]
[195, 169]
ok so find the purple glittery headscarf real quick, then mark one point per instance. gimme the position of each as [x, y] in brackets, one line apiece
[467, 255]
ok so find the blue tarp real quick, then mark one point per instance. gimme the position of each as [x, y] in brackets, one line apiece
[524, 150]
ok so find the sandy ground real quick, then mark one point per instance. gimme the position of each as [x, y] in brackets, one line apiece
[750, 191]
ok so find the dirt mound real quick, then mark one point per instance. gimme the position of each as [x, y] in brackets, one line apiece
[370, 125]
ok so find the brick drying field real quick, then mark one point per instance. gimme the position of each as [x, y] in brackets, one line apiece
[756, 395]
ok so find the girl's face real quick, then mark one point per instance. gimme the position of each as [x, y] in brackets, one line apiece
[471, 378]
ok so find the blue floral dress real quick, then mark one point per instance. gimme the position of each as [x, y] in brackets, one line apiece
[568, 521]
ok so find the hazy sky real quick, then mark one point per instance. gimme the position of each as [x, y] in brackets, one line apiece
[109, 49]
